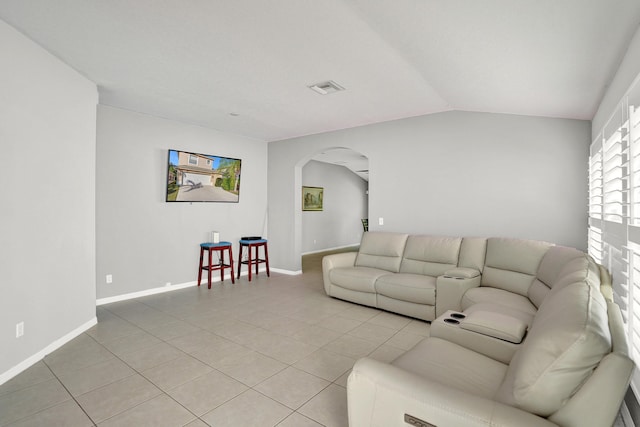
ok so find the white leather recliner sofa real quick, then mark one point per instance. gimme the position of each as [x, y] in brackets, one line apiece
[403, 274]
[534, 338]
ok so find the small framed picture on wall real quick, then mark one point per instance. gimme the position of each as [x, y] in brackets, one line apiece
[312, 198]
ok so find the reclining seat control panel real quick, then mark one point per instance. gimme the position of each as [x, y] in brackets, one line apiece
[413, 421]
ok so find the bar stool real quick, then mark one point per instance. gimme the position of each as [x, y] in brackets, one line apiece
[253, 260]
[220, 248]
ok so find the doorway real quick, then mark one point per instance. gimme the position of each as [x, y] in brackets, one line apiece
[343, 176]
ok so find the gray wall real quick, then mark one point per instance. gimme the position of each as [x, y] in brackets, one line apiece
[345, 204]
[47, 216]
[453, 173]
[143, 241]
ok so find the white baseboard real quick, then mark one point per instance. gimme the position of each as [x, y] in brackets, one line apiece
[162, 289]
[30, 361]
[331, 249]
[147, 292]
[289, 272]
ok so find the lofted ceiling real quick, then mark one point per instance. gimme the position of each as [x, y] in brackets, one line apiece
[348, 158]
[244, 66]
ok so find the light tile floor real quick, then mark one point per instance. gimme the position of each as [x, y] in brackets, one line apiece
[273, 352]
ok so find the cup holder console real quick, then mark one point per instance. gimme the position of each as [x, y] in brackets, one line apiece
[453, 317]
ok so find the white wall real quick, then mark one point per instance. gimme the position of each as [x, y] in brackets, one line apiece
[454, 173]
[143, 241]
[47, 211]
[345, 204]
[627, 72]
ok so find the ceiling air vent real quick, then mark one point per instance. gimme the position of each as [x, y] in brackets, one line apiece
[326, 88]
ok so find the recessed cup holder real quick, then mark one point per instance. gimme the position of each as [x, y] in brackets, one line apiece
[458, 315]
[451, 321]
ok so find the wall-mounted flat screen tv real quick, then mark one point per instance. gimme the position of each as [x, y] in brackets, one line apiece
[193, 177]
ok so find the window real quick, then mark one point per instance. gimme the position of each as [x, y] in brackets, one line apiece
[614, 211]
[193, 159]
[633, 102]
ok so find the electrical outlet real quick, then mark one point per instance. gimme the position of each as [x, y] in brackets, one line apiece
[19, 329]
[168, 284]
[109, 278]
[314, 241]
[380, 221]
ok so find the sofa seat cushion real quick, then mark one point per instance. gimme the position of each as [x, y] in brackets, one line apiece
[485, 294]
[522, 316]
[450, 364]
[496, 325]
[360, 279]
[415, 288]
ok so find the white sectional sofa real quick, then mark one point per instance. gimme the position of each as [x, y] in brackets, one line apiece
[523, 333]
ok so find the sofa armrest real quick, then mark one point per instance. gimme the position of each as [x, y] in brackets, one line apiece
[449, 291]
[379, 395]
[598, 401]
[329, 262]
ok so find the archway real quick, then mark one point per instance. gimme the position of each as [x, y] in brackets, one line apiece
[343, 175]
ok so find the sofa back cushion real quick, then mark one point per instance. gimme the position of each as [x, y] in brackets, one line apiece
[381, 250]
[473, 252]
[558, 263]
[511, 264]
[567, 340]
[430, 255]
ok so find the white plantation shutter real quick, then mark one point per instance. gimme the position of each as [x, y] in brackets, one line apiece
[616, 261]
[612, 169]
[632, 104]
[632, 312]
[633, 300]
[633, 108]
[596, 200]
[614, 212]
[595, 243]
[595, 180]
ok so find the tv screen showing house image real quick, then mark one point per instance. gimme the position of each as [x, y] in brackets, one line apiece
[193, 177]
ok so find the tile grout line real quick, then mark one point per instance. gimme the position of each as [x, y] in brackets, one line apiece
[160, 306]
[162, 391]
[200, 376]
[68, 391]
